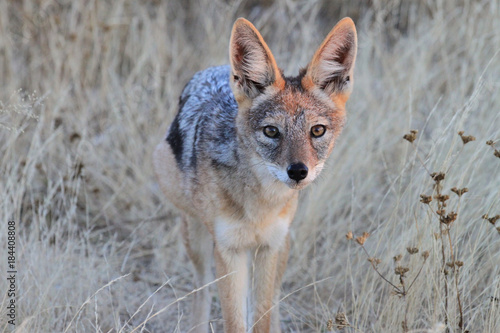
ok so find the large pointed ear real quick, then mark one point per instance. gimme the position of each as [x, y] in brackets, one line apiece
[332, 65]
[253, 67]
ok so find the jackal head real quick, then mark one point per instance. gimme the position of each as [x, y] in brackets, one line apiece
[290, 124]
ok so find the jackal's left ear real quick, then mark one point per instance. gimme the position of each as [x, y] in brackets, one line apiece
[253, 67]
[332, 65]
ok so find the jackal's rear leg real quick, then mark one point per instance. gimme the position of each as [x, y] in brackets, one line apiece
[199, 246]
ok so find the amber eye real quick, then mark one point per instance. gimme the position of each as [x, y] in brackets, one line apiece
[271, 132]
[318, 131]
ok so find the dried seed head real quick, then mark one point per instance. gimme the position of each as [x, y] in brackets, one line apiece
[401, 271]
[442, 197]
[404, 326]
[459, 263]
[349, 235]
[426, 199]
[445, 271]
[450, 264]
[425, 255]
[451, 217]
[498, 229]
[75, 136]
[490, 143]
[412, 250]
[466, 138]
[374, 261]
[341, 320]
[459, 191]
[437, 176]
[329, 325]
[497, 153]
[398, 257]
[362, 239]
[441, 212]
[493, 219]
[410, 137]
[57, 122]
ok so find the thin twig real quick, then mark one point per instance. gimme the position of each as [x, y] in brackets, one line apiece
[415, 279]
[405, 324]
[376, 270]
[443, 255]
[420, 159]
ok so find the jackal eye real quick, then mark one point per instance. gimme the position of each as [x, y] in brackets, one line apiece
[271, 132]
[318, 130]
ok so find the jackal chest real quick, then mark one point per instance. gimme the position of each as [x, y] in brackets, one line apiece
[242, 235]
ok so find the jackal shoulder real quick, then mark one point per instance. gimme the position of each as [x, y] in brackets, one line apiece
[205, 123]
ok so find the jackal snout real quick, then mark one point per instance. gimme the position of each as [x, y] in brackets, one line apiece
[297, 171]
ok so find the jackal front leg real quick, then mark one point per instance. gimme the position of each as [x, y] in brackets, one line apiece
[281, 266]
[233, 287]
[265, 274]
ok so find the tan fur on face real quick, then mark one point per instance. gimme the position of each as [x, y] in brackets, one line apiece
[340, 100]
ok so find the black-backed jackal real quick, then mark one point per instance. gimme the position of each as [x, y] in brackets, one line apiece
[246, 138]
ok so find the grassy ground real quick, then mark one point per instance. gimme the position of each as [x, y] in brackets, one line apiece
[88, 89]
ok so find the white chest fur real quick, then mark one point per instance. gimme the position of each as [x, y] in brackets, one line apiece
[242, 235]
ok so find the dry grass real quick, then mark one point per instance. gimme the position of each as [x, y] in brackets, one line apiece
[88, 89]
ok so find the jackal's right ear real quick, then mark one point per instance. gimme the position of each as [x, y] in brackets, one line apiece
[253, 67]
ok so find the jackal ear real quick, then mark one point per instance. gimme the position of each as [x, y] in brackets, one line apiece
[332, 65]
[253, 67]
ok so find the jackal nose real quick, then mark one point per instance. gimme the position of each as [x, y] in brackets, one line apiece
[297, 171]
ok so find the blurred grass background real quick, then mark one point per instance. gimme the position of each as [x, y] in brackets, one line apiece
[89, 88]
